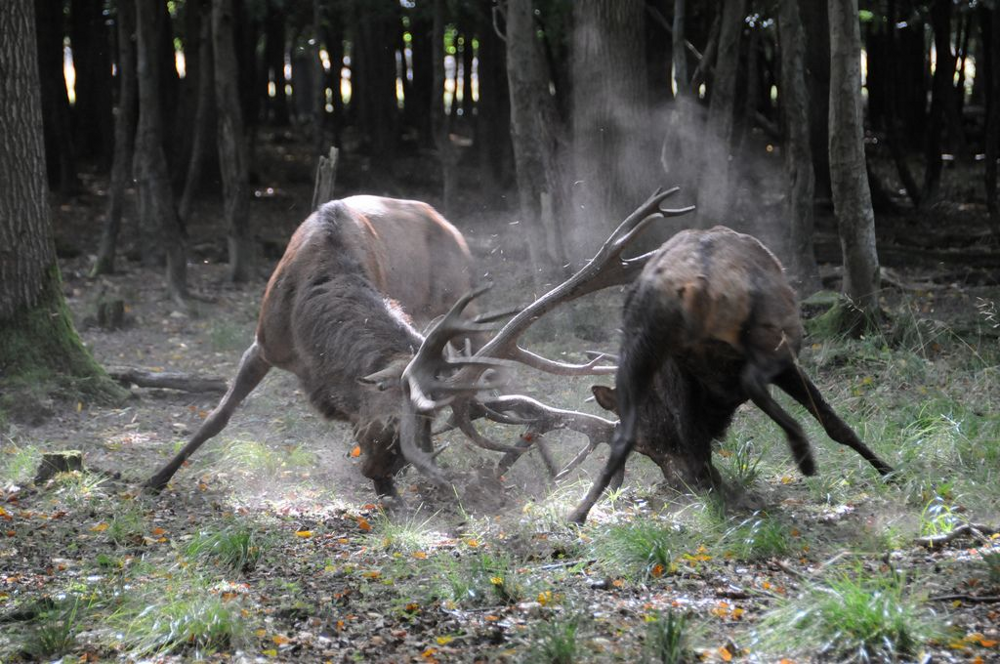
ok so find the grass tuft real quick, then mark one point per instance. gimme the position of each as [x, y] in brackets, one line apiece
[851, 617]
[757, 538]
[237, 547]
[556, 641]
[641, 549]
[667, 639]
[54, 629]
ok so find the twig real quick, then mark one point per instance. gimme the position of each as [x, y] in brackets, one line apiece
[567, 563]
[974, 599]
[977, 530]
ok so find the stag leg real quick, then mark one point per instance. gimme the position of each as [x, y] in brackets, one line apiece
[253, 368]
[798, 386]
[754, 381]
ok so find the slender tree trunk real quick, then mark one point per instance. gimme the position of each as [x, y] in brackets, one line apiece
[333, 34]
[716, 190]
[679, 52]
[817, 29]
[446, 149]
[794, 99]
[274, 63]
[125, 121]
[536, 134]
[493, 119]
[993, 121]
[851, 195]
[611, 122]
[91, 45]
[942, 91]
[422, 33]
[232, 144]
[204, 116]
[37, 338]
[156, 202]
[60, 150]
[374, 82]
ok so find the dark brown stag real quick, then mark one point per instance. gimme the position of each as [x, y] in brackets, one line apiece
[708, 325]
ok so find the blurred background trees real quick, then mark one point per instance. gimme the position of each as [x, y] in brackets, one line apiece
[570, 112]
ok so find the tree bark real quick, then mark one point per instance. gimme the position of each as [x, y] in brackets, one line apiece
[60, 150]
[373, 77]
[817, 29]
[610, 117]
[125, 120]
[422, 89]
[37, 338]
[794, 97]
[446, 149]
[232, 144]
[716, 190]
[92, 112]
[851, 195]
[274, 63]
[941, 93]
[493, 120]
[993, 121]
[536, 133]
[156, 202]
[204, 116]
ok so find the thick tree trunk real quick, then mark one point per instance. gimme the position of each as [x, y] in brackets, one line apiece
[851, 195]
[204, 116]
[60, 150]
[156, 202]
[232, 144]
[37, 338]
[611, 122]
[125, 121]
[91, 45]
[794, 99]
[716, 186]
[536, 134]
[993, 121]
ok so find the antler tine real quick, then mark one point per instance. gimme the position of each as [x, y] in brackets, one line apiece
[452, 324]
[677, 212]
[591, 368]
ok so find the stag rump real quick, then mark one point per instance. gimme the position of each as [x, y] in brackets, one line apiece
[709, 324]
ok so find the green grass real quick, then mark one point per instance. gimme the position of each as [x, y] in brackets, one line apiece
[556, 641]
[54, 629]
[991, 562]
[760, 537]
[851, 616]
[667, 639]
[227, 336]
[742, 465]
[405, 536]
[259, 458]
[641, 549]
[18, 464]
[482, 579]
[128, 524]
[182, 616]
[236, 547]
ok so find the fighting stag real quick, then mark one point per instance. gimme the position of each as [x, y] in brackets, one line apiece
[708, 325]
[360, 360]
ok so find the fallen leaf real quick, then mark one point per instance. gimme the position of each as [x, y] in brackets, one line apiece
[280, 639]
[725, 654]
[363, 524]
[420, 555]
[444, 640]
[303, 533]
[356, 452]
[100, 528]
[158, 531]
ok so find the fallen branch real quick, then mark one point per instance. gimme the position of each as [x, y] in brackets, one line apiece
[977, 530]
[167, 379]
[972, 599]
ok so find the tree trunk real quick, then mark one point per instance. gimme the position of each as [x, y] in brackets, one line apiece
[848, 177]
[274, 63]
[373, 77]
[156, 202]
[125, 120]
[716, 189]
[679, 51]
[993, 121]
[422, 89]
[467, 105]
[446, 149]
[60, 150]
[536, 134]
[942, 90]
[493, 119]
[37, 338]
[333, 35]
[204, 117]
[232, 144]
[794, 97]
[91, 45]
[611, 124]
[817, 28]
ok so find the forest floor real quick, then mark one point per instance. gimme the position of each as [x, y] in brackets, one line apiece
[268, 544]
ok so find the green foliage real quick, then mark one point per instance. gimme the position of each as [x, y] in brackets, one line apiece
[484, 579]
[18, 464]
[53, 630]
[236, 546]
[758, 538]
[640, 549]
[742, 465]
[556, 641]
[256, 457]
[851, 617]
[226, 336]
[991, 560]
[667, 639]
[128, 524]
[404, 535]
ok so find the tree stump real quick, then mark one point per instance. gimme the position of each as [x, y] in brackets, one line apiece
[111, 314]
[64, 461]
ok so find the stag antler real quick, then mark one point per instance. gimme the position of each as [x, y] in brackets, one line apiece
[465, 377]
